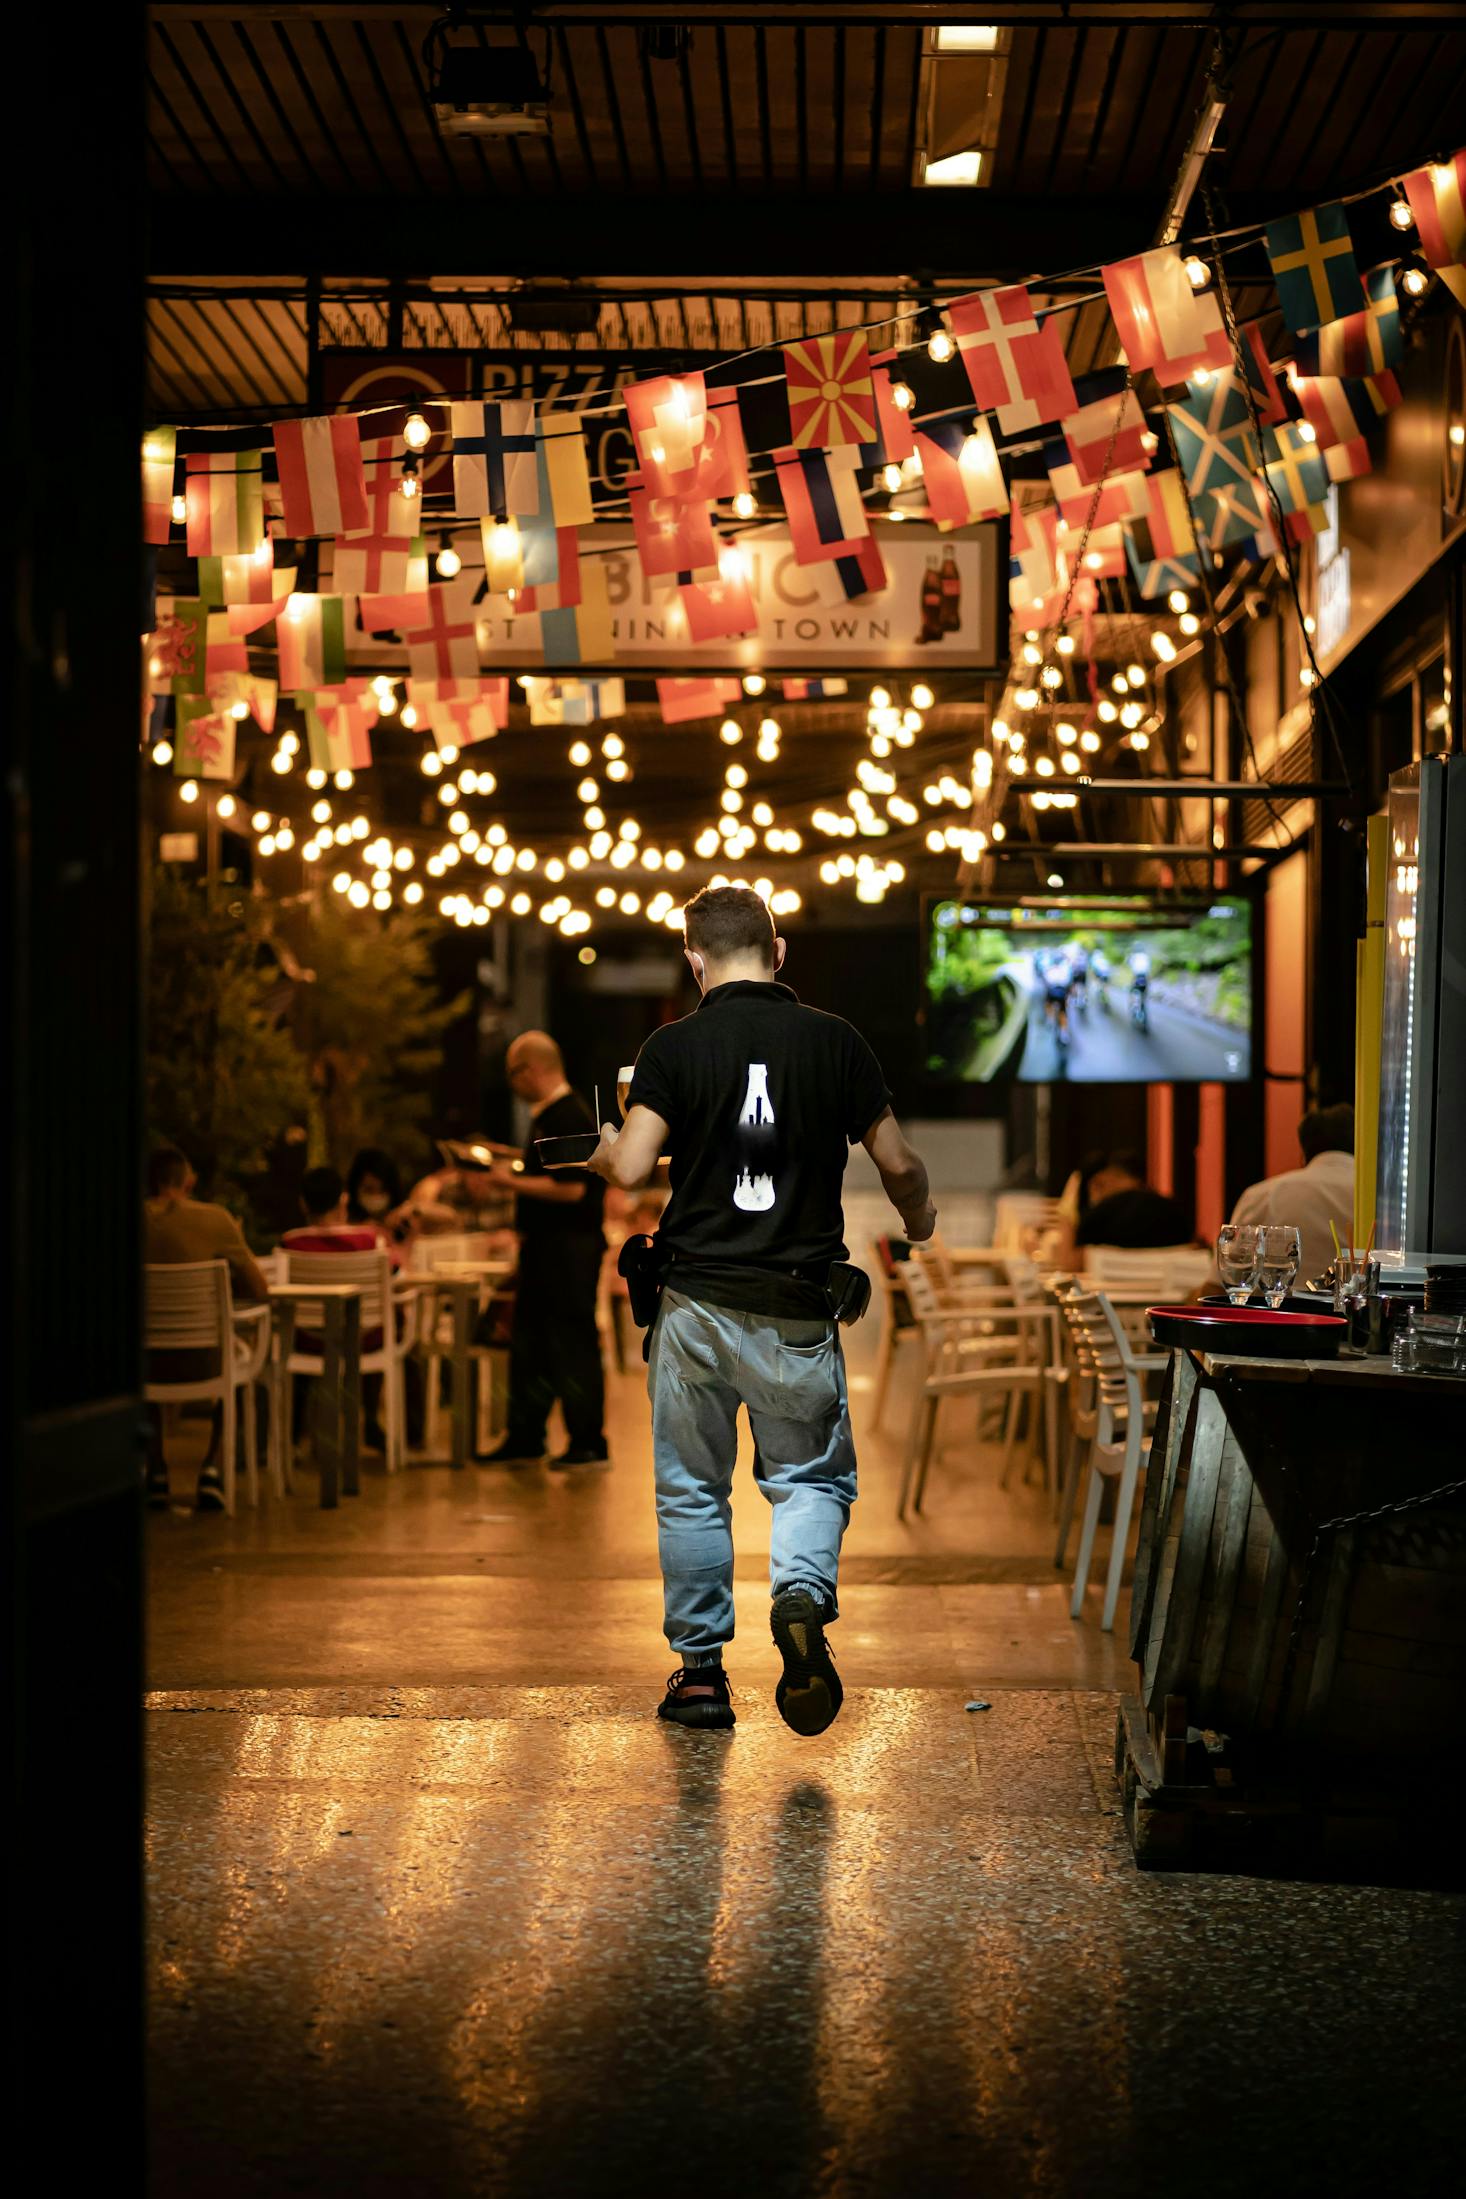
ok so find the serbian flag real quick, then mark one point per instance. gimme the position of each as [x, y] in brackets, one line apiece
[669, 417]
[583, 632]
[381, 566]
[893, 441]
[1338, 411]
[673, 535]
[1295, 467]
[1015, 362]
[859, 571]
[1163, 324]
[1347, 461]
[562, 471]
[719, 606]
[1257, 367]
[203, 739]
[224, 495]
[322, 483]
[682, 700]
[1108, 433]
[389, 512]
[722, 462]
[1312, 259]
[311, 636]
[160, 450]
[1437, 197]
[1362, 343]
[831, 397]
[959, 464]
[814, 690]
[444, 646]
[494, 463]
[822, 499]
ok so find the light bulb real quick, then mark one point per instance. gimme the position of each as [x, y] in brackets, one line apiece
[613, 745]
[520, 905]
[1065, 735]
[162, 752]
[1400, 214]
[580, 754]
[744, 505]
[412, 893]
[735, 775]
[387, 702]
[447, 564]
[358, 893]
[1051, 676]
[267, 844]
[754, 683]
[730, 732]
[416, 433]
[768, 729]
[940, 346]
[880, 698]
[902, 396]
[891, 475]
[432, 763]
[1189, 623]
[290, 742]
[409, 486]
[1089, 740]
[1415, 280]
[587, 791]
[1163, 646]
[1198, 274]
[315, 777]
[1178, 601]
[1068, 761]
[1307, 432]
[239, 710]
[448, 752]
[1064, 644]
[1135, 675]
[280, 761]
[618, 769]
[1044, 766]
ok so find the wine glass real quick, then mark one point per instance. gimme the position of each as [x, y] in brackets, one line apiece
[1279, 1251]
[1237, 1260]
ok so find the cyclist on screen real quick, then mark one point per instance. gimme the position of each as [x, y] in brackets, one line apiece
[1139, 962]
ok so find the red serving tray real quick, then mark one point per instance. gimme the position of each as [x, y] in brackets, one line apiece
[1255, 1332]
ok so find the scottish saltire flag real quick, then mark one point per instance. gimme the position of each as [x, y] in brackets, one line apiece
[673, 534]
[386, 566]
[223, 492]
[823, 502]
[831, 397]
[1261, 380]
[719, 606]
[680, 701]
[1339, 411]
[1015, 362]
[160, 450]
[959, 464]
[310, 634]
[1312, 259]
[495, 474]
[1362, 343]
[1213, 430]
[203, 739]
[1437, 197]
[389, 512]
[322, 482]
[859, 571]
[813, 690]
[1108, 432]
[1295, 467]
[584, 632]
[1163, 324]
[893, 441]
[669, 417]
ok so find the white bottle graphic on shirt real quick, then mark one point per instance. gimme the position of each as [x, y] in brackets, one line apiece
[755, 1194]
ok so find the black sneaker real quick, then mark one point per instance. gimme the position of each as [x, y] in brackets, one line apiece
[156, 1489]
[510, 1453]
[210, 1497]
[809, 1695]
[581, 1454]
[697, 1695]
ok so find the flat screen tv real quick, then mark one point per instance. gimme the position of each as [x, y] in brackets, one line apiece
[1136, 989]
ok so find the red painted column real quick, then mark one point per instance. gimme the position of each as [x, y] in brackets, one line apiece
[1160, 1115]
[1211, 1160]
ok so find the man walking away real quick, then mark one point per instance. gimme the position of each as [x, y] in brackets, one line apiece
[758, 1100]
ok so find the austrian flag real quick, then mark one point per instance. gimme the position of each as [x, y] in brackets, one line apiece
[322, 484]
[831, 397]
[1015, 362]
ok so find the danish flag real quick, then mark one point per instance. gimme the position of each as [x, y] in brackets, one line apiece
[1015, 362]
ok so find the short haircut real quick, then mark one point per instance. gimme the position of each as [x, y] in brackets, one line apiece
[725, 921]
[320, 1190]
[1327, 1130]
[167, 1168]
[1127, 1162]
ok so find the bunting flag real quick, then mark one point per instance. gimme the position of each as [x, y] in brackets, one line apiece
[1108, 433]
[682, 700]
[827, 515]
[1261, 380]
[1339, 411]
[322, 482]
[311, 634]
[444, 646]
[859, 571]
[1164, 326]
[1098, 504]
[1295, 467]
[503, 556]
[583, 632]
[249, 618]
[249, 579]
[461, 713]
[1362, 343]
[1230, 512]
[160, 451]
[203, 739]
[669, 417]
[1213, 432]
[673, 535]
[574, 702]
[259, 695]
[959, 464]
[224, 650]
[894, 441]
[561, 590]
[561, 470]
[1166, 519]
[831, 397]
[1015, 362]
[178, 646]
[338, 734]
[380, 566]
[813, 690]
[1033, 555]
[1437, 197]
[389, 512]
[719, 606]
[1104, 550]
[722, 459]
[1157, 571]
[495, 471]
[398, 614]
[1347, 461]
[1312, 259]
[223, 493]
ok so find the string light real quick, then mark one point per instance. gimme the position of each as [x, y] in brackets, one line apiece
[315, 777]
[409, 487]
[416, 433]
[744, 505]
[1415, 281]
[162, 752]
[178, 510]
[189, 791]
[1189, 623]
[408, 715]
[1198, 274]
[1400, 214]
[903, 397]
[754, 683]
[447, 564]
[730, 732]
[940, 346]
[345, 780]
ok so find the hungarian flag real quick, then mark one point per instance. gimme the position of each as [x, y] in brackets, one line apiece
[381, 566]
[1312, 259]
[669, 418]
[322, 483]
[495, 473]
[1015, 362]
[160, 449]
[959, 464]
[1295, 467]
[1108, 433]
[583, 632]
[722, 461]
[831, 397]
[1347, 461]
[224, 495]
[389, 512]
[823, 502]
[860, 571]
[311, 637]
[1261, 380]
[562, 471]
[1163, 324]
[814, 690]
[203, 739]
[1339, 411]
[444, 646]
[719, 606]
[673, 535]
[894, 440]
[1362, 343]
[1437, 197]
[682, 700]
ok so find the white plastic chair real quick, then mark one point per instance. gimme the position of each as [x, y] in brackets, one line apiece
[433, 1336]
[1112, 1417]
[1165, 1269]
[1021, 1219]
[189, 1306]
[371, 1273]
[970, 1351]
[897, 1322]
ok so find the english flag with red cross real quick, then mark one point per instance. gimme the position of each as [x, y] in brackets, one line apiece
[389, 512]
[322, 482]
[1015, 363]
[445, 645]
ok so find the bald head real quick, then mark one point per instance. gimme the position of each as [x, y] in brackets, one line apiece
[535, 1066]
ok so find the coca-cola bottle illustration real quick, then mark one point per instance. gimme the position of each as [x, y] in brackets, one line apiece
[951, 592]
[753, 1187]
[931, 603]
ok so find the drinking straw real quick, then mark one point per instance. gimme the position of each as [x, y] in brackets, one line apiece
[597, 1091]
[1370, 1246]
[1338, 1248]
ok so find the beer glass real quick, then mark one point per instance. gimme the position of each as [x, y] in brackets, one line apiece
[1237, 1260]
[623, 1087]
[1279, 1251]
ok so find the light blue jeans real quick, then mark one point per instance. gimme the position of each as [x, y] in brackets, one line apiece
[705, 1362]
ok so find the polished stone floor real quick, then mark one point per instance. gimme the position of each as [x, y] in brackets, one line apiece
[437, 1907]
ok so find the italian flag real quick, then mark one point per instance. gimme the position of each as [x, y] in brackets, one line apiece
[338, 732]
[224, 495]
[311, 633]
[322, 482]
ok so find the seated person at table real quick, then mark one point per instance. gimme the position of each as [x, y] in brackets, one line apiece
[326, 1229]
[177, 1229]
[1311, 1197]
[1124, 1211]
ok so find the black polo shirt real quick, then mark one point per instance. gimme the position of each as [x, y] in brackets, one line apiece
[763, 1099]
[545, 1224]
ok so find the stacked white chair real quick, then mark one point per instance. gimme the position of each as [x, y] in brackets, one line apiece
[1109, 1418]
[974, 1346]
[371, 1272]
[189, 1306]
